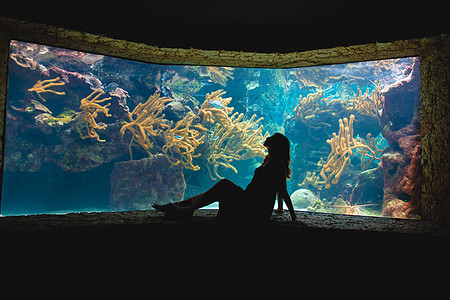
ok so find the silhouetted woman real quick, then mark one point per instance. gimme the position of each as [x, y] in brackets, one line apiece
[256, 202]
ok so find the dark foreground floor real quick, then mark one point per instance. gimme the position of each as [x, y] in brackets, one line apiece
[141, 250]
[148, 231]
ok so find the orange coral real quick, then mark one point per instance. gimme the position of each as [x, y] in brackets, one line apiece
[220, 75]
[90, 110]
[214, 108]
[308, 110]
[367, 104]
[342, 145]
[181, 142]
[238, 140]
[313, 180]
[42, 87]
[145, 122]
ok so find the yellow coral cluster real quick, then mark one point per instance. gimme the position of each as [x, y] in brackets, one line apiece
[367, 104]
[220, 75]
[181, 141]
[372, 144]
[44, 87]
[313, 180]
[309, 109]
[237, 140]
[91, 107]
[145, 122]
[214, 108]
[341, 145]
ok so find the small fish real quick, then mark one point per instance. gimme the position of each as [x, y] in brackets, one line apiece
[178, 137]
[93, 81]
[214, 138]
[38, 105]
[110, 87]
[18, 108]
[216, 103]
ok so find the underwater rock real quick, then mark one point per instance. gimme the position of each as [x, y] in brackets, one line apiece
[401, 165]
[369, 188]
[176, 111]
[302, 198]
[137, 184]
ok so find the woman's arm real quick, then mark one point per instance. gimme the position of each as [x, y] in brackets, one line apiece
[282, 191]
[287, 199]
[279, 209]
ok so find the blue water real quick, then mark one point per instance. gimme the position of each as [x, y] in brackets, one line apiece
[52, 165]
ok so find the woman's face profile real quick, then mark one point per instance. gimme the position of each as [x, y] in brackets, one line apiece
[267, 142]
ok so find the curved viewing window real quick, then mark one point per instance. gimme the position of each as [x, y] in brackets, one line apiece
[88, 132]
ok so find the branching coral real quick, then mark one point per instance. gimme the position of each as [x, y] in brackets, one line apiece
[373, 143]
[91, 107]
[145, 122]
[238, 140]
[341, 145]
[214, 108]
[43, 87]
[220, 75]
[367, 104]
[182, 140]
[313, 180]
[232, 137]
[309, 109]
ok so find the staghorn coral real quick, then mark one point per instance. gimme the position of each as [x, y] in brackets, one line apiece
[313, 180]
[238, 140]
[220, 75]
[182, 140]
[145, 120]
[232, 137]
[341, 145]
[374, 143]
[43, 87]
[214, 108]
[367, 104]
[309, 109]
[91, 107]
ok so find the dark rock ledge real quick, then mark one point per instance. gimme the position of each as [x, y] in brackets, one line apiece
[205, 218]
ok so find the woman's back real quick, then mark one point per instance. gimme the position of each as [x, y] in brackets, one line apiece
[261, 192]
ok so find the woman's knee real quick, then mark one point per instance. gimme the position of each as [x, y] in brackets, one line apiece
[225, 181]
[228, 185]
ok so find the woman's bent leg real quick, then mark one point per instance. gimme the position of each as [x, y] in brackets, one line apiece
[222, 191]
[225, 192]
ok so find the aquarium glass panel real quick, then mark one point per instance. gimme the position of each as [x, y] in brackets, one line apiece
[88, 132]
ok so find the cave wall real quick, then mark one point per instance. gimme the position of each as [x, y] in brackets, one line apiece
[435, 131]
[434, 74]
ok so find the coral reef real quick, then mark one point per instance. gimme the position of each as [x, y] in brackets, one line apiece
[237, 140]
[49, 120]
[91, 107]
[181, 141]
[372, 152]
[367, 104]
[43, 87]
[309, 109]
[341, 145]
[145, 122]
[214, 108]
[220, 75]
[313, 180]
[189, 128]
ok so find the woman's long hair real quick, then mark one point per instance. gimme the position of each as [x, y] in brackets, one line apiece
[278, 146]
